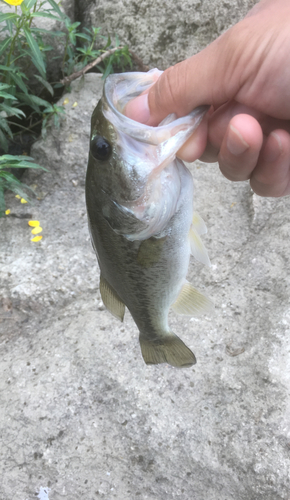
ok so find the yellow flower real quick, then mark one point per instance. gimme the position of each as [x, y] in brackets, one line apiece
[14, 2]
[33, 223]
[75, 104]
[17, 196]
[23, 200]
[36, 230]
[7, 212]
[36, 238]
[66, 101]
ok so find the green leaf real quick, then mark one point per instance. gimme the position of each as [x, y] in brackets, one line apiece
[56, 8]
[9, 177]
[4, 125]
[49, 109]
[28, 99]
[23, 164]
[45, 83]
[29, 3]
[18, 80]
[6, 68]
[4, 86]
[5, 44]
[40, 31]
[72, 37]
[56, 121]
[33, 99]
[95, 31]
[109, 41]
[108, 70]
[5, 17]
[84, 36]
[10, 25]
[15, 185]
[14, 157]
[47, 48]
[83, 51]
[75, 25]
[11, 111]
[37, 100]
[45, 14]
[37, 56]
[5, 95]
[14, 161]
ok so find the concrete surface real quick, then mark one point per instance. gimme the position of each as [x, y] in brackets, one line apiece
[81, 415]
[162, 32]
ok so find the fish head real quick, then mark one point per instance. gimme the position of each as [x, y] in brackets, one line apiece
[124, 153]
[134, 164]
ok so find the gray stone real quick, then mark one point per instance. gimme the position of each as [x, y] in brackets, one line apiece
[80, 412]
[162, 32]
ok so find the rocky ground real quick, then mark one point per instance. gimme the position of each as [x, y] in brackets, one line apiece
[81, 415]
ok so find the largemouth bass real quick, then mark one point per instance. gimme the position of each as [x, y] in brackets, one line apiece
[143, 227]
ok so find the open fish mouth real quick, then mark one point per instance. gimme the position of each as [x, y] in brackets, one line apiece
[119, 89]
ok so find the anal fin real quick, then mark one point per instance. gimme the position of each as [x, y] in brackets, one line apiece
[111, 299]
[191, 302]
[167, 349]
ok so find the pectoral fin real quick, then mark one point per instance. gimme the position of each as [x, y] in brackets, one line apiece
[111, 300]
[197, 248]
[166, 349]
[191, 302]
[198, 224]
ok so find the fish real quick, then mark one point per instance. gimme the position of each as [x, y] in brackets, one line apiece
[141, 217]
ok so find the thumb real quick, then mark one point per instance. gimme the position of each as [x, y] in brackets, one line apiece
[181, 88]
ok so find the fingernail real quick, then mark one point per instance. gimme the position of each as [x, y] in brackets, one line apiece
[138, 109]
[235, 142]
[273, 148]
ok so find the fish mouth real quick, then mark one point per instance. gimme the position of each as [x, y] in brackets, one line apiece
[119, 89]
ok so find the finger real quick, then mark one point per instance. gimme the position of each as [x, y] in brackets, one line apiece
[138, 109]
[195, 145]
[220, 119]
[190, 83]
[271, 177]
[240, 148]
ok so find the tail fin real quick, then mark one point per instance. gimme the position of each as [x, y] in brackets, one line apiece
[166, 349]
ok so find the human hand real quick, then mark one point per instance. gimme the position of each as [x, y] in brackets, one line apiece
[245, 76]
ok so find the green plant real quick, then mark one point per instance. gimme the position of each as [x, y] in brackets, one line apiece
[80, 50]
[23, 47]
[9, 181]
[23, 51]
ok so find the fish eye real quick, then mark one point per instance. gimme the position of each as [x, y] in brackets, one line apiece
[100, 148]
